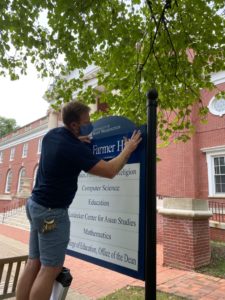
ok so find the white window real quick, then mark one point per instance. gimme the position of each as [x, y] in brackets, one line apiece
[216, 170]
[12, 154]
[39, 145]
[25, 150]
[22, 174]
[8, 182]
[1, 156]
[219, 174]
[217, 106]
[35, 175]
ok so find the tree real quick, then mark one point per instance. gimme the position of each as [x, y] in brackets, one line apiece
[7, 126]
[173, 45]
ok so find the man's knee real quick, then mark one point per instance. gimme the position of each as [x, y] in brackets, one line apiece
[33, 265]
[44, 281]
[50, 272]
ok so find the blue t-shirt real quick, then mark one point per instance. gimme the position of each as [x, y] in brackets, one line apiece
[63, 156]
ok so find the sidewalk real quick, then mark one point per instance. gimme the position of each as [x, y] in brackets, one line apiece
[92, 282]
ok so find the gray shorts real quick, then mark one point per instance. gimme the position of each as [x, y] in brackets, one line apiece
[49, 233]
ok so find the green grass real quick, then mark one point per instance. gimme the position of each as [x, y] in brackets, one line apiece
[217, 265]
[137, 293]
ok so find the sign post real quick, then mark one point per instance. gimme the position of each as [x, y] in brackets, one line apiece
[150, 250]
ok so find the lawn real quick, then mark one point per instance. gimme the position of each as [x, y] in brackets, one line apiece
[217, 265]
[137, 293]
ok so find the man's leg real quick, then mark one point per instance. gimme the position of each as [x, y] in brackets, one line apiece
[27, 278]
[33, 264]
[42, 286]
[52, 244]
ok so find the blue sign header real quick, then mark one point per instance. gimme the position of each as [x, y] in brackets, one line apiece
[111, 126]
[109, 137]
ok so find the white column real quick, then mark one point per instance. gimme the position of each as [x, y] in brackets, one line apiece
[52, 118]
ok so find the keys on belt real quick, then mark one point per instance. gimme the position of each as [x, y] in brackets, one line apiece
[48, 226]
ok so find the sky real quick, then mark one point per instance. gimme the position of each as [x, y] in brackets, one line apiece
[22, 99]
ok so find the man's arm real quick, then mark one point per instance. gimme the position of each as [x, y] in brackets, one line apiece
[110, 168]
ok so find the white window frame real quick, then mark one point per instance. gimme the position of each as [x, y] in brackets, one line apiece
[12, 153]
[25, 150]
[211, 153]
[19, 186]
[7, 187]
[39, 145]
[212, 109]
[1, 157]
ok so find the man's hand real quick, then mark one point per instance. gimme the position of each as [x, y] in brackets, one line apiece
[132, 143]
[85, 139]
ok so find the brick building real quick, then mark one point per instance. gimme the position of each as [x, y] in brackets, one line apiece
[187, 175]
[19, 158]
[196, 169]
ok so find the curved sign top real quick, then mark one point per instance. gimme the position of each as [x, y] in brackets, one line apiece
[110, 126]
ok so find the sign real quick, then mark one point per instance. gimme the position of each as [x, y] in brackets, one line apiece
[107, 215]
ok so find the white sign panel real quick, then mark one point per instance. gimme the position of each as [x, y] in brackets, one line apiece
[105, 217]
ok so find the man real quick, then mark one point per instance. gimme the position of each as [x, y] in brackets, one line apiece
[64, 155]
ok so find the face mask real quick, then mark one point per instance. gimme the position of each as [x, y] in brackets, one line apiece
[86, 129]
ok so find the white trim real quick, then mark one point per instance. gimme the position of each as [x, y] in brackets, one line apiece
[210, 175]
[1, 157]
[12, 153]
[212, 109]
[211, 153]
[39, 145]
[24, 139]
[5, 197]
[19, 181]
[7, 181]
[218, 77]
[25, 150]
[215, 224]
[89, 72]
[214, 150]
[185, 213]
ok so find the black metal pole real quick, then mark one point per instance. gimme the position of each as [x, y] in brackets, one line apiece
[150, 254]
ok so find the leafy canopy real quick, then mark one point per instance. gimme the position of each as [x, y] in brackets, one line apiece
[172, 45]
[7, 126]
